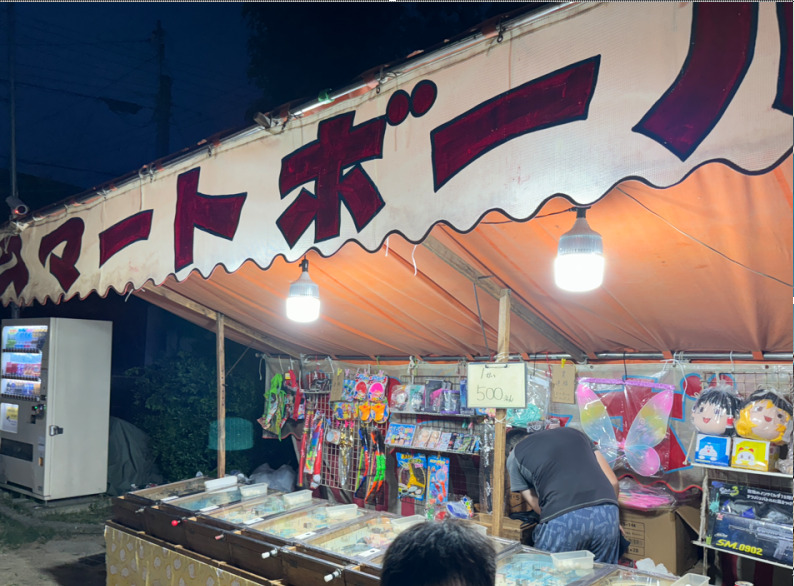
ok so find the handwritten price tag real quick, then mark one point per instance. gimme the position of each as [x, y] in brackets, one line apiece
[503, 386]
[563, 383]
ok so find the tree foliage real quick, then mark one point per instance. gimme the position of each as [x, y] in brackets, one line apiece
[175, 402]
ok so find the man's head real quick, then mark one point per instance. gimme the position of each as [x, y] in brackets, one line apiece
[449, 553]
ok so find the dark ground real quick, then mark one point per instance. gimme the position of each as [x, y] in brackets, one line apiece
[55, 545]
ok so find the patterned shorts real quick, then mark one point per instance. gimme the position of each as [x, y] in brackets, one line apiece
[596, 529]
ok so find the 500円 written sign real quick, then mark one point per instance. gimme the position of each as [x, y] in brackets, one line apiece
[502, 386]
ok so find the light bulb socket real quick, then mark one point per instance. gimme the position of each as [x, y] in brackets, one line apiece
[581, 239]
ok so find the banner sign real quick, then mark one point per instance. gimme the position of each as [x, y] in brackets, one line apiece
[572, 102]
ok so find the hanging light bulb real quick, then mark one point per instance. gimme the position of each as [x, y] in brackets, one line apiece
[579, 265]
[303, 301]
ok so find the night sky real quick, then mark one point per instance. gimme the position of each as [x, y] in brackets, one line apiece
[87, 74]
[87, 81]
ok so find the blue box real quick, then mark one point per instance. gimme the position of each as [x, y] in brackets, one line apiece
[714, 450]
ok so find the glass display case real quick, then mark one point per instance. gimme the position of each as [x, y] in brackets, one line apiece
[304, 524]
[534, 568]
[252, 511]
[168, 492]
[365, 539]
[208, 501]
[623, 577]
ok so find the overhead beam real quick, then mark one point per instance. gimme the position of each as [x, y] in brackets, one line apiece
[521, 310]
[212, 316]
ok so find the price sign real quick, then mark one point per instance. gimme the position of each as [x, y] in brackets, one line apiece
[337, 385]
[502, 385]
[563, 383]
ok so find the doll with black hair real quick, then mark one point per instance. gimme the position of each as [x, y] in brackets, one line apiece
[715, 410]
[764, 415]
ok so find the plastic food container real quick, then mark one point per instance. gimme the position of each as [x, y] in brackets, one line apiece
[402, 523]
[297, 499]
[572, 560]
[220, 483]
[692, 580]
[342, 512]
[254, 490]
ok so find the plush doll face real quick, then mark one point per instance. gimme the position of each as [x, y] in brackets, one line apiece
[711, 419]
[765, 420]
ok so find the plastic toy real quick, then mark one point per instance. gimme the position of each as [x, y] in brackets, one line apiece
[764, 415]
[648, 429]
[715, 410]
[438, 479]
[411, 476]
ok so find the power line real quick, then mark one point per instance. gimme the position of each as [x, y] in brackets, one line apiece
[103, 99]
[64, 167]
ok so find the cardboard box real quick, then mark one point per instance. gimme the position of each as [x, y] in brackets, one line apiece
[517, 504]
[714, 450]
[732, 527]
[754, 454]
[666, 537]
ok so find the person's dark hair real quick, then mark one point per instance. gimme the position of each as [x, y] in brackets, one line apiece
[449, 553]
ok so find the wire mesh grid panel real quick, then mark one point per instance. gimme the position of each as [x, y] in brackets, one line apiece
[444, 442]
[349, 448]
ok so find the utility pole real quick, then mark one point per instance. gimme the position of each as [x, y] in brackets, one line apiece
[11, 98]
[162, 110]
[13, 197]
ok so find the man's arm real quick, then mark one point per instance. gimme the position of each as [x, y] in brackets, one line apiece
[608, 472]
[532, 499]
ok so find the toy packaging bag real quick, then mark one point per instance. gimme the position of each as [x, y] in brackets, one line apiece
[438, 479]
[422, 438]
[399, 398]
[715, 410]
[400, 434]
[411, 476]
[764, 415]
[435, 436]
[443, 440]
[416, 397]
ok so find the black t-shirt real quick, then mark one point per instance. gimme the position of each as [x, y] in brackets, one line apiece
[559, 465]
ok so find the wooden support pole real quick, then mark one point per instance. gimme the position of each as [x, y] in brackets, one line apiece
[498, 482]
[220, 353]
[257, 339]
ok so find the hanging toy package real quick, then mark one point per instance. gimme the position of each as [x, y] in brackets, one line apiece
[273, 416]
[715, 410]
[399, 398]
[764, 416]
[416, 397]
[411, 476]
[438, 479]
[714, 414]
[538, 391]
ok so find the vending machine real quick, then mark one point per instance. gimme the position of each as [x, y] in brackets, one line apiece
[54, 406]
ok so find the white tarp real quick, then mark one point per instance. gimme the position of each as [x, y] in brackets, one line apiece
[570, 103]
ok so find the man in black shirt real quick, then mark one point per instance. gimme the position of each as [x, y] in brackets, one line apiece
[573, 489]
